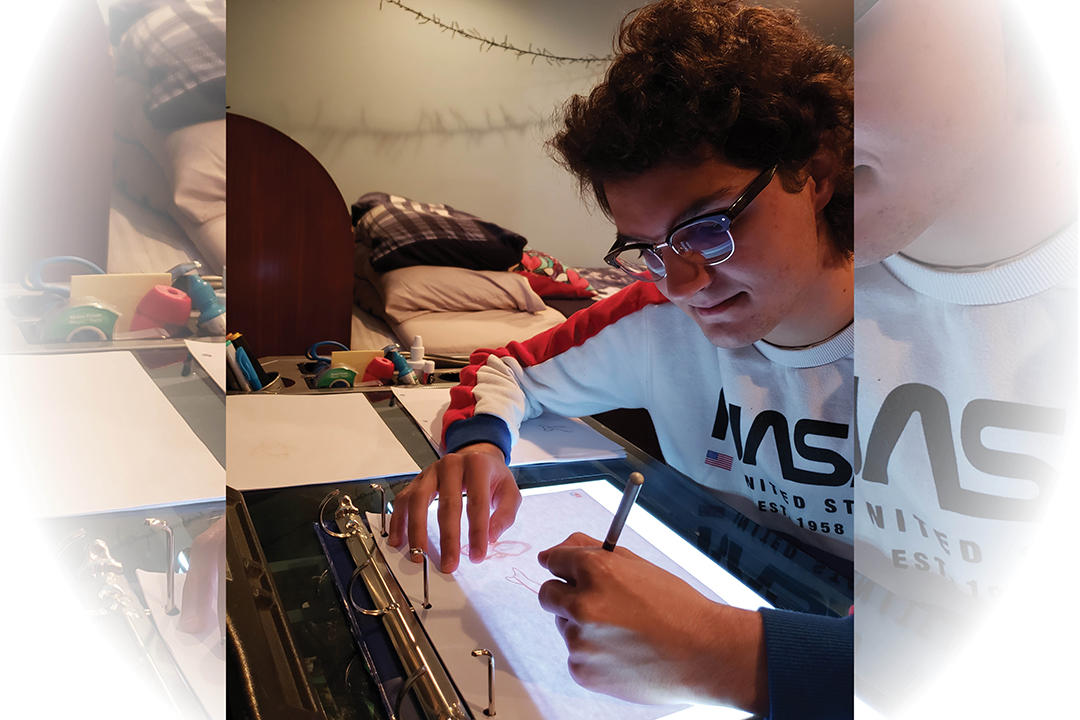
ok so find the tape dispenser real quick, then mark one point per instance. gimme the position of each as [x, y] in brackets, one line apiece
[85, 320]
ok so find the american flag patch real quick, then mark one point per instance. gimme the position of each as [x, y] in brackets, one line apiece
[719, 460]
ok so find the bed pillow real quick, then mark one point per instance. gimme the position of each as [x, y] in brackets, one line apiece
[419, 289]
[403, 233]
[193, 160]
[549, 278]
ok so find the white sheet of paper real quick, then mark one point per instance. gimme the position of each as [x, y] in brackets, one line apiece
[493, 605]
[102, 436]
[547, 438]
[211, 355]
[201, 658]
[274, 441]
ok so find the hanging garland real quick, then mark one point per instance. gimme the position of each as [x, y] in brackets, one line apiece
[489, 43]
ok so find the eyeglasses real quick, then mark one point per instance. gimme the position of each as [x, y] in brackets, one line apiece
[704, 240]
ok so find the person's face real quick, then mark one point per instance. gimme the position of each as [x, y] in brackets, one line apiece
[930, 103]
[778, 254]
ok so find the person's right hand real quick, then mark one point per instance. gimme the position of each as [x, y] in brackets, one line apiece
[478, 470]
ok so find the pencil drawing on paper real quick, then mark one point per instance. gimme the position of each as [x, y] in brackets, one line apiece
[556, 428]
[520, 578]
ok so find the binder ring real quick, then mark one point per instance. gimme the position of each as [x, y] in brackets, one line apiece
[352, 598]
[409, 682]
[322, 520]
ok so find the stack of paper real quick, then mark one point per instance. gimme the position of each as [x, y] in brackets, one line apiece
[100, 436]
[284, 440]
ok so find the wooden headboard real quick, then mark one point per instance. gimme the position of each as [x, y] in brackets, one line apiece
[290, 243]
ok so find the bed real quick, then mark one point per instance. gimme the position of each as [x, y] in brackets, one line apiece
[168, 199]
[306, 266]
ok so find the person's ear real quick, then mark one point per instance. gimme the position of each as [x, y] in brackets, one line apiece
[822, 170]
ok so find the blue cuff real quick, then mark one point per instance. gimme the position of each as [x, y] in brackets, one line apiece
[811, 665]
[477, 429]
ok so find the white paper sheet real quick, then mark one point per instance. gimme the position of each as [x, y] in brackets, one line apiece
[201, 658]
[101, 436]
[547, 438]
[274, 441]
[493, 605]
[211, 355]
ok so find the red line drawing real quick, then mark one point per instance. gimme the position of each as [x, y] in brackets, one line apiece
[502, 549]
[520, 578]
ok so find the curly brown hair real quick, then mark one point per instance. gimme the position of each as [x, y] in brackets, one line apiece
[700, 79]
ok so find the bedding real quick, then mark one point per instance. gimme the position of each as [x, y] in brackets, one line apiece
[549, 278]
[402, 232]
[455, 310]
[170, 140]
[144, 241]
[459, 333]
[176, 50]
[412, 291]
[369, 332]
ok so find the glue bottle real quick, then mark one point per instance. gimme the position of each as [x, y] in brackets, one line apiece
[416, 357]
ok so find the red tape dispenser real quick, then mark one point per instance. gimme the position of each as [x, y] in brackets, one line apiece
[380, 370]
[163, 307]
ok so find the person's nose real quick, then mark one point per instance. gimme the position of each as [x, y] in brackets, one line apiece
[684, 278]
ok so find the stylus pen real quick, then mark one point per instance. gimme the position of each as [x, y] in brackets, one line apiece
[633, 487]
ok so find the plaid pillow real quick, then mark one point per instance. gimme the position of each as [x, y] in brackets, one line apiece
[177, 50]
[403, 232]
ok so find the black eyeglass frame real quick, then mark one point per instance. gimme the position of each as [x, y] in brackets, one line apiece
[726, 216]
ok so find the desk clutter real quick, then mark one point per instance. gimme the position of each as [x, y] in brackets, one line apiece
[341, 369]
[99, 306]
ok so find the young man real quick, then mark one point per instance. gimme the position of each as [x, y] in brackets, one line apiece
[966, 327]
[720, 145]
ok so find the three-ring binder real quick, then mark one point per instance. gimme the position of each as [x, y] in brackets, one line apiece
[427, 677]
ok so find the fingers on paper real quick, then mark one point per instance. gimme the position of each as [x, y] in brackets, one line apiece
[505, 501]
[451, 478]
[479, 507]
[420, 493]
[399, 518]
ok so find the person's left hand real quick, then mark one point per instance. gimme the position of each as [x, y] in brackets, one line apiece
[639, 633]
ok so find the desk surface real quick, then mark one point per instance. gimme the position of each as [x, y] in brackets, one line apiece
[62, 561]
[282, 520]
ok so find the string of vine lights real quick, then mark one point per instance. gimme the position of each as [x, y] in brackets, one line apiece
[487, 44]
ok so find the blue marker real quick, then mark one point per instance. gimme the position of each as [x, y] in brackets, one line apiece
[248, 369]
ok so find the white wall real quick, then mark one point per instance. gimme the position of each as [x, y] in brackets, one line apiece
[388, 104]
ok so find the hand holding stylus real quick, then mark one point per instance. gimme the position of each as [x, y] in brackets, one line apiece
[635, 631]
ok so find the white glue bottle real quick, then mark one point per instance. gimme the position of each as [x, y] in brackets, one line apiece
[416, 358]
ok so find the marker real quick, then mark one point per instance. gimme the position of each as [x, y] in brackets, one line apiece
[633, 487]
[234, 365]
[249, 371]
